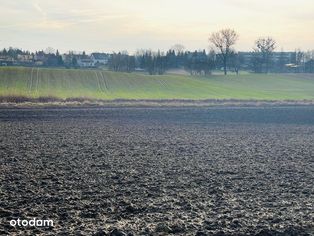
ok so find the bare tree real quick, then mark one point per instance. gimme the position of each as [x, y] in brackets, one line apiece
[50, 50]
[265, 46]
[300, 60]
[178, 48]
[223, 40]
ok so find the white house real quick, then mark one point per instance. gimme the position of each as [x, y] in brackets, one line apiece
[85, 62]
[99, 58]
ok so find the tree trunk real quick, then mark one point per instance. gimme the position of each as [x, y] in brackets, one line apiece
[225, 64]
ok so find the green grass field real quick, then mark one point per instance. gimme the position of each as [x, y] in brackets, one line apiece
[106, 85]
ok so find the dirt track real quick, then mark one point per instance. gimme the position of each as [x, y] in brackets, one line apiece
[159, 171]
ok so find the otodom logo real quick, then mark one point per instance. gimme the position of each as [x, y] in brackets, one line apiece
[31, 223]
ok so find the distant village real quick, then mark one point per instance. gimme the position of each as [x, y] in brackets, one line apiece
[51, 58]
[196, 62]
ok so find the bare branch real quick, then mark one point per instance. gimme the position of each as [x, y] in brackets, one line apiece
[223, 40]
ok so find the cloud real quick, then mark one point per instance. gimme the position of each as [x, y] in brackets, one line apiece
[156, 22]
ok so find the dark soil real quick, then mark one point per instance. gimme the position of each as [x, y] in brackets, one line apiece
[158, 171]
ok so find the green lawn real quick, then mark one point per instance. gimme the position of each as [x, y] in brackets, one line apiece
[97, 84]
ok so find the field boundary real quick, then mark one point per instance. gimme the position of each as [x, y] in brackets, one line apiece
[19, 101]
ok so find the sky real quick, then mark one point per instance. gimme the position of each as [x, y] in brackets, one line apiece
[114, 25]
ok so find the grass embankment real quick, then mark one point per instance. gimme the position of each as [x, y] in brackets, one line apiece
[35, 83]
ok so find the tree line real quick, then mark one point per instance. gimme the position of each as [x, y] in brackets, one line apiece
[156, 63]
[222, 56]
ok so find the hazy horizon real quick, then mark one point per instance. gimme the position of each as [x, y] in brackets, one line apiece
[103, 25]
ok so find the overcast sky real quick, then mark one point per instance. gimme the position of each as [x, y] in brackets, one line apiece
[112, 25]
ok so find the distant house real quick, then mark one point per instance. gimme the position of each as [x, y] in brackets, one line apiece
[40, 58]
[84, 61]
[6, 61]
[99, 58]
[248, 58]
[25, 58]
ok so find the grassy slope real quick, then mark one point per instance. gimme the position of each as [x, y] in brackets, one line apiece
[63, 83]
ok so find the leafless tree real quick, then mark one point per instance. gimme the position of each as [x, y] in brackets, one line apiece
[50, 50]
[265, 46]
[178, 48]
[223, 40]
[299, 56]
